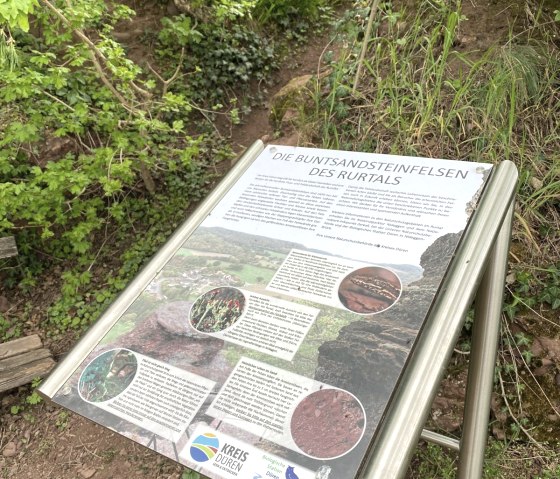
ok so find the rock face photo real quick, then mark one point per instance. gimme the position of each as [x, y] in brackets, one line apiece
[368, 355]
[333, 415]
[369, 290]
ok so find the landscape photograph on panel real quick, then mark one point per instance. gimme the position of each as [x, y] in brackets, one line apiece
[270, 343]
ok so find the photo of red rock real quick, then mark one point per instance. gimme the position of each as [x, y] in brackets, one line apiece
[328, 423]
[369, 290]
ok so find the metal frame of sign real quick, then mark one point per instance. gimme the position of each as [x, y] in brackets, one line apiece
[477, 272]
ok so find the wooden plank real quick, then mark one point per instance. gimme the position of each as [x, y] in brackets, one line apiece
[22, 359]
[8, 247]
[20, 346]
[26, 374]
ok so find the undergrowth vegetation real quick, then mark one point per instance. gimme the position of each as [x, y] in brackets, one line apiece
[423, 92]
[97, 148]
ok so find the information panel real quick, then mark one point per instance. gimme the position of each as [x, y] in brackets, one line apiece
[269, 345]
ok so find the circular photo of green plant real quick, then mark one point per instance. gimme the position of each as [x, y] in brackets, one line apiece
[216, 310]
[369, 290]
[108, 375]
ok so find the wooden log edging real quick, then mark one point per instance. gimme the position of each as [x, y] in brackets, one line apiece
[8, 247]
[23, 360]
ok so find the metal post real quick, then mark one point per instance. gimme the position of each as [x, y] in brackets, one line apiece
[400, 430]
[486, 331]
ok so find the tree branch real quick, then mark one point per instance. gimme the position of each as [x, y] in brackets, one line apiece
[95, 54]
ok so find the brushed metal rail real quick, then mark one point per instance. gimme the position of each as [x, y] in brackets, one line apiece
[484, 346]
[440, 439]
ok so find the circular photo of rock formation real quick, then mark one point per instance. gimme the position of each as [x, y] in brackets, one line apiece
[328, 423]
[108, 375]
[217, 310]
[369, 290]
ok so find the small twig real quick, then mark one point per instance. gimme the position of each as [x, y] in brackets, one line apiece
[144, 93]
[58, 100]
[88, 450]
[525, 431]
[464, 353]
[84, 145]
[167, 83]
[365, 43]
[321, 57]
[203, 113]
[514, 364]
[528, 30]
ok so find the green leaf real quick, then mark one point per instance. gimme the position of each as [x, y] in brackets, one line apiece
[178, 126]
[23, 22]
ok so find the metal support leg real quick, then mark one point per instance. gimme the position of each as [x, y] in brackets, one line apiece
[406, 414]
[486, 330]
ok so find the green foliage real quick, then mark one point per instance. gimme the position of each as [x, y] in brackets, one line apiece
[436, 463]
[15, 13]
[94, 148]
[227, 58]
[188, 474]
[550, 287]
[81, 158]
[29, 401]
[231, 57]
[285, 11]
[62, 420]
[231, 10]
[177, 31]
[8, 329]
[534, 287]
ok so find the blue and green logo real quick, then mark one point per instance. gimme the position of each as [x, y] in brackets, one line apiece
[204, 447]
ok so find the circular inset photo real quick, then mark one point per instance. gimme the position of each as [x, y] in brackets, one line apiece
[328, 423]
[217, 310]
[369, 290]
[108, 375]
